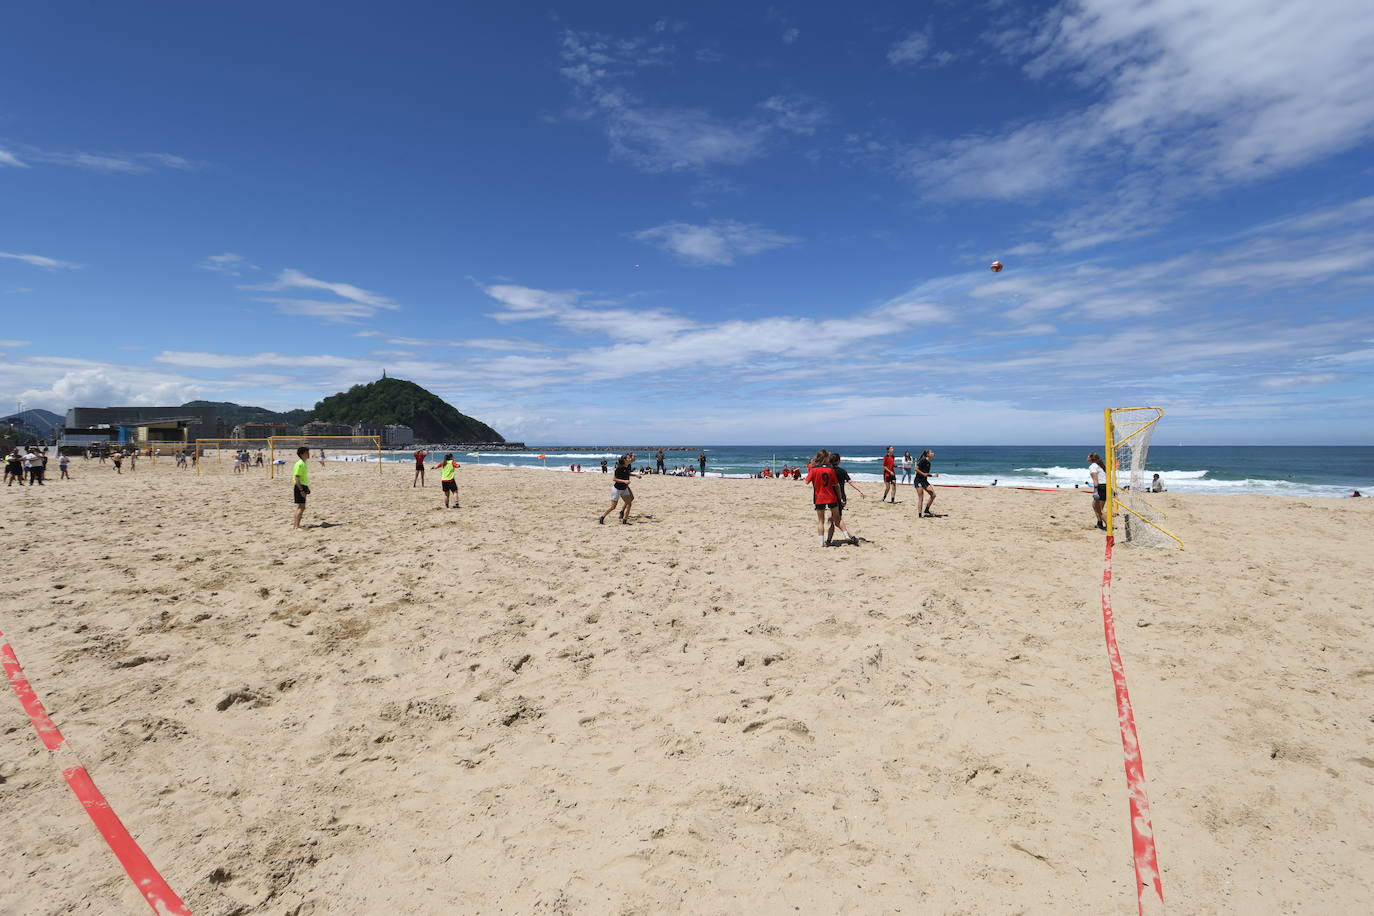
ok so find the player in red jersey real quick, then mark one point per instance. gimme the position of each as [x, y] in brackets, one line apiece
[824, 493]
[889, 476]
[419, 467]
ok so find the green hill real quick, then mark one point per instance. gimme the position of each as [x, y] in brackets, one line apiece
[394, 400]
[234, 414]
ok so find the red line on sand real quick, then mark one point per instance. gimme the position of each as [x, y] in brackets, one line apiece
[140, 870]
[1149, 889]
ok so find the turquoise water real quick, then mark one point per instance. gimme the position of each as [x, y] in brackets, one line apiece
[1300, 471]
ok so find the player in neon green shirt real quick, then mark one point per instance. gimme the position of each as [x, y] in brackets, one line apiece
[300, 482]
[446, 481]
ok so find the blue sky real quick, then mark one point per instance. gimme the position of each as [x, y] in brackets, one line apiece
[701, 222]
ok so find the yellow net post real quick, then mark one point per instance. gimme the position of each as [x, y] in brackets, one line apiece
[1127, 432]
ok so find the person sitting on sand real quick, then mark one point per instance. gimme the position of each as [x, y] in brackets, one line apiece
[1098, 474]
[1157, 485]
[446, 468]
[620, 490]
[300, 483]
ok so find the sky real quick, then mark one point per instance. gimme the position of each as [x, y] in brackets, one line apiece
[712, 223]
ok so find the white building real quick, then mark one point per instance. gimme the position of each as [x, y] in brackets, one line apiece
[396, 434]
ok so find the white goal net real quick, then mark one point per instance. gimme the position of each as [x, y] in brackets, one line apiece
[1138, 521]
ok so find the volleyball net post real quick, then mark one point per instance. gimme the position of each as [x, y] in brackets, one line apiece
[364, 447]
[1126, 436]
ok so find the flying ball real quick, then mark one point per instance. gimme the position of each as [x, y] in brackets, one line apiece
[996, 267]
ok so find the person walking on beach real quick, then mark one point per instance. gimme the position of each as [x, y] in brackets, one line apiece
[823, 494]
[603, 465]
[321, 457]
[62, 462]
[420, 455]
[34, 466]
[701, 461]
[889, 476]
[842, 482]
[446, 469]
[14, 468]
[300, 483]
[1098, 474]
[116, 458]
[620, 489]
[907, 465]
[925, 493]
[658, 462]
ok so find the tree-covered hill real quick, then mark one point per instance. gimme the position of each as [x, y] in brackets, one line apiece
[394, 400]
[234, 414]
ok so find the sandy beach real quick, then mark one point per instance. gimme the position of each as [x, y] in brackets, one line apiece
[510, 709]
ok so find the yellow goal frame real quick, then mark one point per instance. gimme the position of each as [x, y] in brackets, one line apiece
[220, 445]
[318, 442]
[1110, 445]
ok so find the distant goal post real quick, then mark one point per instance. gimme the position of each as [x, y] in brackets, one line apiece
[354, 448]
[215, 451]
[1128, 431]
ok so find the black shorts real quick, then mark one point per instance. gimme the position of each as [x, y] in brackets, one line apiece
[419, 465]
[889, 477]
[1102, 492]
[449, 486]
[922, 482]
[297, 494]
[821, 507]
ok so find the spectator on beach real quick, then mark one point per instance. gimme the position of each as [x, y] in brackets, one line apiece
[658, 461]
[603, 465]
[419, 476]
[33, 467]
[300, 483]
[1098, 474]
[889, 477]
[620, 489]
[907, 465]
[842, 482]
[1157, 485]
[14, 468]
[62, 462]
[925, 493]
[321, 457]
[701, 460]
[133, 460]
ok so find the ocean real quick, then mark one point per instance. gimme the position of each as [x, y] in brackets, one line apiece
[1298, 471]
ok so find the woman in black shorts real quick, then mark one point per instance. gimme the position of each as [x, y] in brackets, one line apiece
[620, 491]
[1098, 474]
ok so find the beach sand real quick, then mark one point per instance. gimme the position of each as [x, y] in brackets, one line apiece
[510, 709]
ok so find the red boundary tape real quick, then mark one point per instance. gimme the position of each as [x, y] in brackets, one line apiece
[140, 870]
[1149, 888]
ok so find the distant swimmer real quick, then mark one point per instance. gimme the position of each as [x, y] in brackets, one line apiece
[889, 476]
[446, 468]
[300, 483]
[1098, 475]
[621, 494]
[419, 475]
[824, 495]
[925, 493]
[842, 482]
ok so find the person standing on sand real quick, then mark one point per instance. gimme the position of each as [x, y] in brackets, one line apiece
[603, 465]
[446, 468]
[321, 457]
[907, 465]
[889, 476]
[14, 468]
[658, 461]
[620, 490]
[116, 458]
[1098, 474]
[62, 462]
[841, 479]
[420, 455]
[823, 494]
[925, 493]
[300, 483]
[701, 461]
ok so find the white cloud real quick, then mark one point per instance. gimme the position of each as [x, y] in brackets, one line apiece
[119, 163]
[15, 343]
[910, 50]
[100, 385]
[1191, 96]
[357, 302]
[716, 244]
[791, 35]
[11, 160]
[38, 260]
[668, 138]
[227, 263]
[1293, 381]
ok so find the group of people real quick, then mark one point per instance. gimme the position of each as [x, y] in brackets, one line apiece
[242, 460]
[31, 465]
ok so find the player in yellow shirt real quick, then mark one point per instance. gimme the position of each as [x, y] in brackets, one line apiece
[300, 482]
[446, 481]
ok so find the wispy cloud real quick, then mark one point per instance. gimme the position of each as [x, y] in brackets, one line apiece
[11, 160]
[114, 163]
[910, 50]
[1188, 98]
[353, 302]
[38, 260]
[715, 244]
[659, 138]
[227, 263]
[15, 343]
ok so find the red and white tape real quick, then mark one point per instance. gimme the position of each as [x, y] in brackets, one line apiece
[1148, 887]
[140, 870]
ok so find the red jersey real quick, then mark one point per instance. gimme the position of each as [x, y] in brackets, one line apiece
[822, 481]
[889, 464]
[420, 456]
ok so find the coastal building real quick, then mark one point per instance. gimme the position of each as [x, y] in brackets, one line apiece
[321, 428]
[369, 429]
[264, 430]
[398, 435]
[166, 428]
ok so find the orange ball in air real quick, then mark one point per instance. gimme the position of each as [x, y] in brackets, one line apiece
[996, 267]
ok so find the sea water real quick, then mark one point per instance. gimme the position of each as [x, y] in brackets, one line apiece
[1299, 471]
